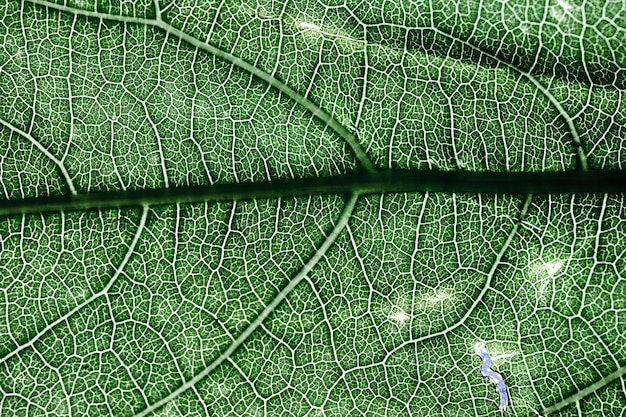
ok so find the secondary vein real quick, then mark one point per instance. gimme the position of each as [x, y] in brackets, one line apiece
[319, 254]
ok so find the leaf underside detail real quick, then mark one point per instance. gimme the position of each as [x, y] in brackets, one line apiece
[312, 208]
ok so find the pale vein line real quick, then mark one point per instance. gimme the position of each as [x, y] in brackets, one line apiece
[314, 109]
[330, 121]
[103, 291]
[157, 9]
[319, 254]
[575, 398]
[43, 150]
[483, 291]
[350, 138]
[582, 157]
[157, 134]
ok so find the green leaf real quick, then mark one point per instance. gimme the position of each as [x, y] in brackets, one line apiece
[312, 208]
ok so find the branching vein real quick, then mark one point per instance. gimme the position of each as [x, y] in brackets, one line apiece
[102, 292]
[319, 254]
[43, 150]
[313, 108]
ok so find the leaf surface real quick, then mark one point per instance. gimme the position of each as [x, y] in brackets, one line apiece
[215, 208]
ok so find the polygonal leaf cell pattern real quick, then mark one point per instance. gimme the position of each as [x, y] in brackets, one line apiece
[336, 304]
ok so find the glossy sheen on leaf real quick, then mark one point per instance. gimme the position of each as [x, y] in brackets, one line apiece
[311, 278]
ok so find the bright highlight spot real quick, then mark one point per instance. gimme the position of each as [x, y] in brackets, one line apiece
[309, 26]
[479, 347]
[439, 296]
[329, 31]
[564, 5]
[498, 350]
[563, 9]
[542, 274]
[397, 311]
[83, 4]
[525, 28]
[400, 316]
[552, 267]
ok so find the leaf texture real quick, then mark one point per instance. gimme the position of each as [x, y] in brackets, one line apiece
[311, 292]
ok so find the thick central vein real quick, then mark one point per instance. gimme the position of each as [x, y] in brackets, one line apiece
[381, 182]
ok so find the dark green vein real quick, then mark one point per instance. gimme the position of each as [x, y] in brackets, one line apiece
[383, 182]
[578, 396]
[314, 109]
